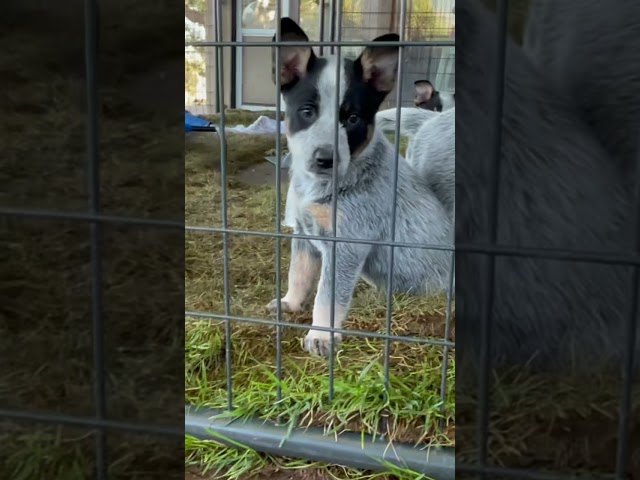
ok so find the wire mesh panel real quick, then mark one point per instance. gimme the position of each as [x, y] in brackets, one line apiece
[71, 403]
[427, 20]
[544, 360]
[434, 63]
[399, 331]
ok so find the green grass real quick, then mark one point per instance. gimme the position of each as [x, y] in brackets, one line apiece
[535, 419]
[413, 401]
[413, 405]
[36, 452]
[47, 452]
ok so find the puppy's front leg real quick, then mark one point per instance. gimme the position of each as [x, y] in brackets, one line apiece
[349, 261]
[303, 271]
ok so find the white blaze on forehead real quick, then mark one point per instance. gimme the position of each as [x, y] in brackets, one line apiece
[323, 129]
[321, 133]
[327, 87]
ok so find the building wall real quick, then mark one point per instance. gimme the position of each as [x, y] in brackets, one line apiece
[257, 85]
[212, 93]
[372, 18]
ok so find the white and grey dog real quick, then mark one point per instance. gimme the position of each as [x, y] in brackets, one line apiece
[365, 171]
[431, 149]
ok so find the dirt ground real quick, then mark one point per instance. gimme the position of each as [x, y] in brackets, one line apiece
[263, 174]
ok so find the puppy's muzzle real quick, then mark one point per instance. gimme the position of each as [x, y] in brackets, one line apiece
[323, 158]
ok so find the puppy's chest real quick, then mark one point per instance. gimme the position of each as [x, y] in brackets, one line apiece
[311, 216]
[316, 219]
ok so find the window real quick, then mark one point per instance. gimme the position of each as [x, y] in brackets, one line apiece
[259, 14]
[195, 62]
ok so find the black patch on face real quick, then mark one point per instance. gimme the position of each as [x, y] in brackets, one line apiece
[359, 106]
[302, 98]
[434, 103]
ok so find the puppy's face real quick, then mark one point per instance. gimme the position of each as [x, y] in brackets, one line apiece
[427, 97]
[318, 92]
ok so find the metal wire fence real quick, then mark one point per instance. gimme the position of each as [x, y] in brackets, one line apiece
[99, 426]
[425, 21]
[482, 467]
[428, 23]
[492, 249]
[336, 43]
[94, 216]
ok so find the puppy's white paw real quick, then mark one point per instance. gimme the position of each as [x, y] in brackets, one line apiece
[319, 343]
[287, 307]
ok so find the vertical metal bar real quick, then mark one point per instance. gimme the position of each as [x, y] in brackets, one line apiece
[234, 59]
[334, 195]
[223, 174]
[278, 213]
[447, 334]
[624, 426]
[217, 19]
[321, 3]
[332, 24]
[91, 26]
[485, 336]
[394, 201]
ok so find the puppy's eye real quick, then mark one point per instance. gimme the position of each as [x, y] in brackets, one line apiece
[353, 119]
[307, 113]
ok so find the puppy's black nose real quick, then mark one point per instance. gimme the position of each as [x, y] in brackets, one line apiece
[324, 157]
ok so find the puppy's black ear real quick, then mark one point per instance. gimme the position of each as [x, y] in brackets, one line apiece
[295, 60]
[380, 64]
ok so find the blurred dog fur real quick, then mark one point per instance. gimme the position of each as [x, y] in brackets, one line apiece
[559, 186]
[431, 148]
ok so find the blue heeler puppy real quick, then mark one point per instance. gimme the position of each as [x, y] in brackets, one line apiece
[365, 169]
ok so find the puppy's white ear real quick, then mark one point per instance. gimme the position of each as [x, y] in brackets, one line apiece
[295, 61]
[380, 64]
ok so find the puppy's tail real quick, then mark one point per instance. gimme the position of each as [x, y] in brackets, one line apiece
[411, 119]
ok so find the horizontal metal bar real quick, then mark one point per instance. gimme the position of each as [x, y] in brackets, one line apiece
[349, 449]
[609, 258]
[88, 422]
[304, 326]
[522, 474]
[89, 218]
[383, 243]
[268, 43]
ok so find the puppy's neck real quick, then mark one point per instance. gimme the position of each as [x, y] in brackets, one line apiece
[370, 163]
